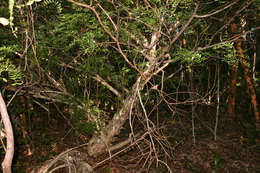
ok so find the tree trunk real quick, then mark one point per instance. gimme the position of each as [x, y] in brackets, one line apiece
[100, 143]
[248, 78]
[232, 99]
[7, 163]
[238, 47]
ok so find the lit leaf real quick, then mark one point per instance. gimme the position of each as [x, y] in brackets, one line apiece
[4, 21]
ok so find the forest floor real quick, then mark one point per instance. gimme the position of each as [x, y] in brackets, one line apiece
[231, 152]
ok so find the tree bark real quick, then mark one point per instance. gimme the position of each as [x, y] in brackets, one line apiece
[7, 162]
[248, 78]
[100, 143]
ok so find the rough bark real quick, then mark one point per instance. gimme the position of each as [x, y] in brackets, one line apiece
[7, 162]
[250, 85]
[100, 143]
[248, 78]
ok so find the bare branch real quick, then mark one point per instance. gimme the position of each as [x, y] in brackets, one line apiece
[228, 41]
[182, 30]
[97, 15]
[113, 90]
[217, 11]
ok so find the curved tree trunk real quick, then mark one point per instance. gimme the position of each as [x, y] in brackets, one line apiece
[7, 163]
[100, 143]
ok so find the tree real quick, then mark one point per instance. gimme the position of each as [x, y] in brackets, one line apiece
[133, 55]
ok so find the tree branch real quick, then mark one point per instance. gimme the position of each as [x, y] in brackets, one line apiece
[217, 11]
[228, 41]
[102, 81]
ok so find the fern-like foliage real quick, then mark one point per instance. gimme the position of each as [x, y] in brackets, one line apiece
[8, 71]
[53, 4]
[7, 49]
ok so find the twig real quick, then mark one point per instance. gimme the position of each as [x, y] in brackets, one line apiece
[228, 41]
[113, 155]
[147, 120]
[217, 11]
